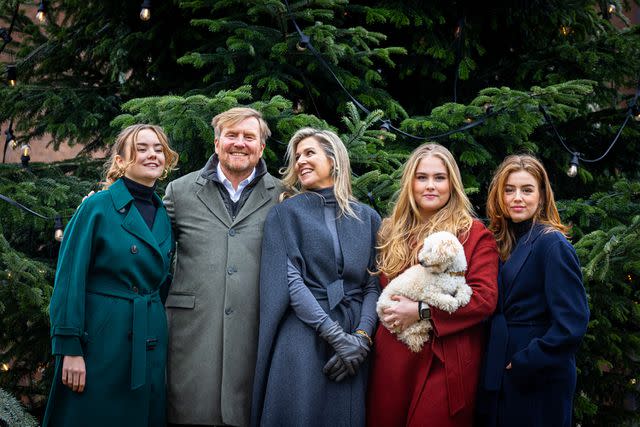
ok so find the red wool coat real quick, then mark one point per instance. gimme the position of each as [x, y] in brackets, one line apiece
[437, 387]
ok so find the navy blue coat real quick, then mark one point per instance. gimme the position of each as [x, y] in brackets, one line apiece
[541, 318]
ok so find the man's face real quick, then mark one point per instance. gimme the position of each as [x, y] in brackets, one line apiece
[239, 148]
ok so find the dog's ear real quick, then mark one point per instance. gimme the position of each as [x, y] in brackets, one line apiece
[446, 250]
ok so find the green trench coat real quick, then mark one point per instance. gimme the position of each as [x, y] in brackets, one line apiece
[106, 307]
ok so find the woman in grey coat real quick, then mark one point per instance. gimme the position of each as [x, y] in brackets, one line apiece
[317, 293]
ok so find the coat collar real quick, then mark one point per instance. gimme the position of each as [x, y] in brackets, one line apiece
[209, 194]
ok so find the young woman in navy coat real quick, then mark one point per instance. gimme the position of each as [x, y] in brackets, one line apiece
[542, 315]
[108, 324]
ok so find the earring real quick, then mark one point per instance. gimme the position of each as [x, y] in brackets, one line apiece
[164, 175]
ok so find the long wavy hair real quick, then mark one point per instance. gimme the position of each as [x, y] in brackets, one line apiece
[335, 150]
[497, 211]
[401, 234]
[125, 147]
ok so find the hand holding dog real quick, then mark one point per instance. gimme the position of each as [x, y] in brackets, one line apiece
[403, 314]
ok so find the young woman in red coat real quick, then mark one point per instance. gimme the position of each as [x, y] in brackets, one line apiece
[437, 386]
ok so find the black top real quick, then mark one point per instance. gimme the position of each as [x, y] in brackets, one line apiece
[142, 199]
[520, 228]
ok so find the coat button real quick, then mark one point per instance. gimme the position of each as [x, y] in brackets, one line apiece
[231, 270]
[232, 232]
[228, 311]
[134, 249]
[135, 289]
[123, 210]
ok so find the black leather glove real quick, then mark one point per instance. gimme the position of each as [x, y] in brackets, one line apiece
[335, 369]
[351, 349]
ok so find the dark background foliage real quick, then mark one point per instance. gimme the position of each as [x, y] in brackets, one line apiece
[428, 67]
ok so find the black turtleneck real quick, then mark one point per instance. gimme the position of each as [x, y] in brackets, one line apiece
[520, 228]
[142, 199]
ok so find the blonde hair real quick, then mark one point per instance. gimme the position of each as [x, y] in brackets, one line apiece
[236, 115]
[335, 150]
[401, 234]
[497, 211]
[125, 147]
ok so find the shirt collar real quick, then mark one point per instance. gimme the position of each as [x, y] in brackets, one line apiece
[225, 181]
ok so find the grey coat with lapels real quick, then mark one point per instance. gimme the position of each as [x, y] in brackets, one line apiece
[213, 303]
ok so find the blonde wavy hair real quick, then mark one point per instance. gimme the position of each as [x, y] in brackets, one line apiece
[401, 234]
[497, 211]
[335, 150]
[125, 147]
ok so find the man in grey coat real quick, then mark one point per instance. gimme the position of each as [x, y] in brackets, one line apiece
[218, 216]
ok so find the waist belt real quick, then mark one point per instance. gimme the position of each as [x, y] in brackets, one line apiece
[335, 294]
[141, 304]
[497, 348]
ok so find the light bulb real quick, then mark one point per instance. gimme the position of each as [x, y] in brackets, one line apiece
[59, 229]
[611, 9]
[145, 10]
[26, 150]
[303, 42]
[145, 14]
[565, 30]
[12, 75]
[573, 165]
[41, 14]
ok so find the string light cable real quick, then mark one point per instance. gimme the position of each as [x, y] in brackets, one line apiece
[576, 156]
[6, 34]
[57, 219]
[305, 44]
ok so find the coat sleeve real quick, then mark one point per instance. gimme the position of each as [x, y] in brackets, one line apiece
[66, 309]
[169, 204]
[482, 276]
[371, 289]
[569, 312]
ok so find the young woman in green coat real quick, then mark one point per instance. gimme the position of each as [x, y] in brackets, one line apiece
[108, 324]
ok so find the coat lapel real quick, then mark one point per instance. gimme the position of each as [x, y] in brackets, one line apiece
[209, 195]
[258, 197]
[513, 265]
[133, 222]
[161, 226]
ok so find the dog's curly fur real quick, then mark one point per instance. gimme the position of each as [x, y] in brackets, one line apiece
[438, 281]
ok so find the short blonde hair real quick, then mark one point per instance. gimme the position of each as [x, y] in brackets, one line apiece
[335, 150]
[401, 234]
[125, 147]
[497, 211]
[236, 115]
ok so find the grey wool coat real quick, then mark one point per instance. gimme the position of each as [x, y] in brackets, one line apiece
[213, 306]
[290, 387]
